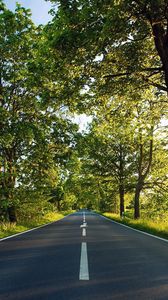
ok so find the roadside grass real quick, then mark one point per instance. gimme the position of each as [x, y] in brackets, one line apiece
[158, 227]
[7, 229]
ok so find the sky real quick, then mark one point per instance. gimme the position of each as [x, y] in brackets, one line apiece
[39, 9]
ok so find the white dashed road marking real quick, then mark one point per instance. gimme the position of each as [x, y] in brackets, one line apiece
[84, 270]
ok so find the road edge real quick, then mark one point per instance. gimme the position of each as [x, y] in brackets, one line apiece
[29, 230]
[131, 228]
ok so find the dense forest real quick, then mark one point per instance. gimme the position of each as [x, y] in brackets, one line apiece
[106, 60]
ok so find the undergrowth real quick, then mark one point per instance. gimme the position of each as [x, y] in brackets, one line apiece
[158, 227]
[7, 229]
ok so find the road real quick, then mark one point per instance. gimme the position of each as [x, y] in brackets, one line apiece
[72, 260]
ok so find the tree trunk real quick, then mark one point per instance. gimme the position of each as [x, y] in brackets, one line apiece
[121, 179]
[12, 214]
[10, 184]
[121, 192]
[161, 43]
[142, 172]
[136, 201]
[58, 205]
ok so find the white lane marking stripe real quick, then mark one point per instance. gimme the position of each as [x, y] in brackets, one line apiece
[84, 218]
[84, 232]
[84, 270]
[131, 228]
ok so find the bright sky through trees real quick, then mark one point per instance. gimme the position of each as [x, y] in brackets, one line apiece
[39, 9]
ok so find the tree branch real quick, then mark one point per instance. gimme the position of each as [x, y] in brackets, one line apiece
[117, 75]
[129, 73]
[159, 86]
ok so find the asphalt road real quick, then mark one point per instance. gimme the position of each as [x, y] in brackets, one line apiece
[102, 261]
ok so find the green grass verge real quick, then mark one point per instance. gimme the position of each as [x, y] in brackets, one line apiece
[158, 228]
[7, 229]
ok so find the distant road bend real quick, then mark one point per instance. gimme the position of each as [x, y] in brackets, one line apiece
[83, 257]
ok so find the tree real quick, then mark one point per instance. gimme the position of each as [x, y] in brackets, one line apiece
[57, 195]
[108, 155]
[35, 133]
[107, 42]
[147, 117]
[122, 143]
[16, 100]
[154, 14]
[117, 33]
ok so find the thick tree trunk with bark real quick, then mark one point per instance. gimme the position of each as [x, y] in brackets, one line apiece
[10, 184]
[121, 192]
[58, 205]
[121, 181]
[142, 174]
[136, 200]
[12, 214]
[161, 43]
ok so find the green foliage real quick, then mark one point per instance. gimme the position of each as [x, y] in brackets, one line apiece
[7, 229]
[121, 32]
[36, 137]
[158, 228]
[106, 58]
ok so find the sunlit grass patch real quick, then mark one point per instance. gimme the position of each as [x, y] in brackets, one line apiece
[158, 228]
[7, 229]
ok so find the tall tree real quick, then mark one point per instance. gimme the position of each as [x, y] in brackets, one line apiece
[147, 118]
[17, 107]
[108, 151]
[110, 41]
[122, 143]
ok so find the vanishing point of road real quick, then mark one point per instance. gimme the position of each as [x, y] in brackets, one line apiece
[83, 257]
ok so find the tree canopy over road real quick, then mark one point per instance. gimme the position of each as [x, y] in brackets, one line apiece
[109, 60]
